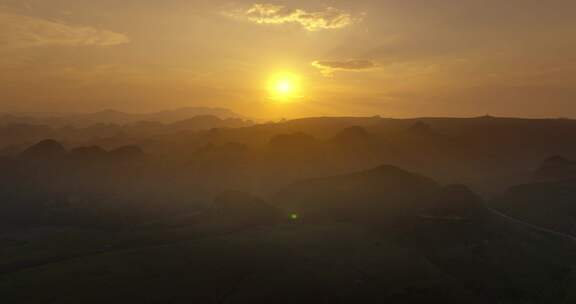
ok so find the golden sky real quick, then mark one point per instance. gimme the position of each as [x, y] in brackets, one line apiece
[365, 57]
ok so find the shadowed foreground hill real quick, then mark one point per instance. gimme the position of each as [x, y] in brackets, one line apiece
[492, 255]
[556, 168]
[96, 226]
[454, 250]
[376, 195]
[88, 187]
[549, 201]
[551, 205]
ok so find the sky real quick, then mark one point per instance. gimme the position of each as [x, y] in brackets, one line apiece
[394, 58]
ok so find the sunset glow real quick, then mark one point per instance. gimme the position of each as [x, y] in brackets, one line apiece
[286, 152]
[285, 87]
[264, 58]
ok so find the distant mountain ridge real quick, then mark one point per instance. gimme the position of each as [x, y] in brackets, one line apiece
[110, 116]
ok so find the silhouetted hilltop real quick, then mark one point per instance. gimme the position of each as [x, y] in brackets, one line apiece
[45, 150]
[495, 256]
[454, 202]
[453, 216]
[355, 139]
[127, 153]
[204, 122]
[546, 204]
[420, 128]
[372, 195]
[547, 201]
[486, 250]
[189, 112]
[241, 210]
[556, 168]
[352, 136]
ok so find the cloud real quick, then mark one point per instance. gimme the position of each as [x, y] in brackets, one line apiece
[327, 19]
[328, 67]
[20, 31]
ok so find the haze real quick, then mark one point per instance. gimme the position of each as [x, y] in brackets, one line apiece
[393, 58]
[286, 152]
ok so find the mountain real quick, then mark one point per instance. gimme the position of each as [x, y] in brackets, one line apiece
[496, 257]
[106, 116]
[171, 116]
[549, 200]
[454, 202]
[382, 196]
[375, 195]
[383, 235]
[205, 122]
[546, 204]
[127, 153]
[355, 143]
[501, 258]
[186, 113]
[92, 153]
[420, 129]
[239, 210]
[45, 150]
[110, 116]
[556, 168]
[354, 138]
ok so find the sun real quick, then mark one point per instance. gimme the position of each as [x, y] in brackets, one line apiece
[284, 87]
